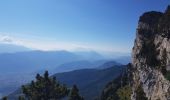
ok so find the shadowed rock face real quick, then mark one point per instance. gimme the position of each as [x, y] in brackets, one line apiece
[151, 55]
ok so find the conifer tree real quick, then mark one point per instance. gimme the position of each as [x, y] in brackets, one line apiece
[44, 88]
[74, 94]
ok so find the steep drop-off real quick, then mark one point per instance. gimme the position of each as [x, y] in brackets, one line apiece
[148, 77]
[151, 56]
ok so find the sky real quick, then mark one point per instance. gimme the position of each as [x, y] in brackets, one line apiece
[99, 25]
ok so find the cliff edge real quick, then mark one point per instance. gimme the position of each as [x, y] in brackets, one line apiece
[151, 56]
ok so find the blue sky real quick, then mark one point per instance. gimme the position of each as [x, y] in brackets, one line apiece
[101, 25]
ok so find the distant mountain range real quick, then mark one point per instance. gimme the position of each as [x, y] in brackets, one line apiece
[26, 62]
[11, 48]
[19, 67]
[60, 61]
[90, 81]
[123, 59]
[22, 62]
[109, 64]
[92, 55]
[13, 81]
[84, 64]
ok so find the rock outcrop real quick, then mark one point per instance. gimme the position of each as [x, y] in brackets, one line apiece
[151, 56]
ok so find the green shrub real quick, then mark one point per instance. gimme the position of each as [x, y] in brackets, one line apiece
[124, 93]
[140, 94]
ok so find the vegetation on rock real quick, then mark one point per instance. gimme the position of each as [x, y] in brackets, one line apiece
[118, 89]
[124, 93]
[140, 95]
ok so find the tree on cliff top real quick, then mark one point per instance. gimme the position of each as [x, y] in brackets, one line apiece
[45, 88]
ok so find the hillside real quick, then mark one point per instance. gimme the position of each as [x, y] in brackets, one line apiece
[84, 64]
[89, 81]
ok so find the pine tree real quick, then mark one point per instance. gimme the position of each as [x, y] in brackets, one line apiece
[74, 94]
[44, 88]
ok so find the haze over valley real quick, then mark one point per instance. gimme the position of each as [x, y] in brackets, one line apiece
[84, 50]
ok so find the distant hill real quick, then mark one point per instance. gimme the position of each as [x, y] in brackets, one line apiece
[16, 68]
[82, 65]
[90, 81]
[11, 48]
[9, 83]
[24, 65]
[32, 61]
[109, 64]
[123, 59]
[22, 62]
[89, 55]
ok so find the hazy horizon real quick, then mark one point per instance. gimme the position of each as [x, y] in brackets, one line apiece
[92, 25]
[88, 43]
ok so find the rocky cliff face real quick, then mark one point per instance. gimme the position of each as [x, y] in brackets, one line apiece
[151, 56]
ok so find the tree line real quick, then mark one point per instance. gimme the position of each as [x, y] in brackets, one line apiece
[48, 88]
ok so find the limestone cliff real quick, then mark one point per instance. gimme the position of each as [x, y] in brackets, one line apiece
[151, 56]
